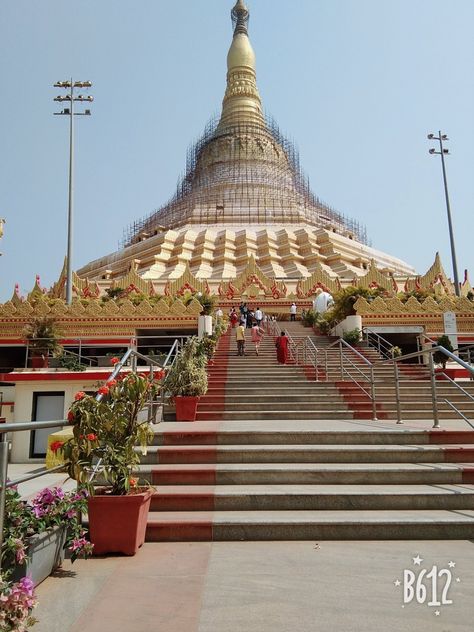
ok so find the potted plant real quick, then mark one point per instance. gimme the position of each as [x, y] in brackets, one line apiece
[42, 335]
[441, 359]
[37, 533]
[107, 429]
[17, 600]
[352, 337]
[186, 380]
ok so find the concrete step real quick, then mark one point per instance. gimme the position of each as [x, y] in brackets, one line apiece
[309, 454]
[311, 497]
[310, 525]
[308, 474]
[263, 415]
[275, 434]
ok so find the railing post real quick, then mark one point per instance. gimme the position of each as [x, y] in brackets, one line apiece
[341, 360]
[372, 391]
[397, 392]
[433, 392]
[3, 484]
[316, 370]
[326, 364]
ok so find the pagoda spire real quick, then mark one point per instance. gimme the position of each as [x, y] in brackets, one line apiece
[242, 103]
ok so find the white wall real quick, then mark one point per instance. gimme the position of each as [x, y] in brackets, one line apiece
[24, 391]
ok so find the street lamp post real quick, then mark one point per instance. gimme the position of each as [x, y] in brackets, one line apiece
[70, 86]
[443, 152]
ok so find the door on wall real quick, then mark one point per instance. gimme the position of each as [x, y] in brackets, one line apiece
[46, 407]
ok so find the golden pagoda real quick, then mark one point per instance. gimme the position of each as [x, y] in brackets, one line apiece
[243, 201]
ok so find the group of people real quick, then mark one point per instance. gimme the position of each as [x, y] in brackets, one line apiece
[244, 319]
[246, 316]
[257, 334]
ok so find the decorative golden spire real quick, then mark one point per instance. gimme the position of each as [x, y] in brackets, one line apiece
[242, 104]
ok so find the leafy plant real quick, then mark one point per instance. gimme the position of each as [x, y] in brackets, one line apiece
[352, 337]
[187, 376]
[323, 324]
[220, 328]
[109, 428]
[310, 318]
[395, 352]
[49, 508]
[17, 602]
[71, 362]
[207, 346]
[207, 301]
[439, 357]
[345, 299]
[114, 292]
[43, 336]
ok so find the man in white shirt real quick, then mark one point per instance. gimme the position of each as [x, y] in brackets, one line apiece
[258, 316]
[293, 312]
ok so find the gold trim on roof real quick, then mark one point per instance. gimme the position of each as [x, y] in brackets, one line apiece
[187, 282]
[319, 280]
[375, 278]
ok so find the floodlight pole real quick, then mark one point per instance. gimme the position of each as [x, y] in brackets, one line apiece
[442, 152]
[70, 86]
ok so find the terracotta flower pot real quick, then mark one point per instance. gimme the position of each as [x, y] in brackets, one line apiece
[186, 407]
[117, 524]
[39, 362]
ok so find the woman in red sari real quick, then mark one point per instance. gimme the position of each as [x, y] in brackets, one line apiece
[281, 345]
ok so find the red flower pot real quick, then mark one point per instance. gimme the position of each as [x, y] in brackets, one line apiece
[117, 524]
[186, 407]
[39, 362]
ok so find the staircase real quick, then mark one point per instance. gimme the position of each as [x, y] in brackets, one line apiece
[415, 388]
[275, 455]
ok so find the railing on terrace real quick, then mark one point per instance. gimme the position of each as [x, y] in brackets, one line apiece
[129, 360]
[79, 348]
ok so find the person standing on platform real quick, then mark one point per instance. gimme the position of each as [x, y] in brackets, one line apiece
[257, 335]
[219, 313]
[258, 316]
[240, 337]
[281, 345]
[293, 312]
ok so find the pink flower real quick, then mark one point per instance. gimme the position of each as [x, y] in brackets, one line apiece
[103, 390]
[79, 395]
[114, 361]
[56, 445]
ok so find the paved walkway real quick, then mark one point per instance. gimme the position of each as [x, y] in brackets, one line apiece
[258, 587]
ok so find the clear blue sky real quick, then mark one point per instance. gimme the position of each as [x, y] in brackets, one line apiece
[356, 83]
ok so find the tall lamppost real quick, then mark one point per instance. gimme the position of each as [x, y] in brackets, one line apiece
[70, 86]
[443, 152]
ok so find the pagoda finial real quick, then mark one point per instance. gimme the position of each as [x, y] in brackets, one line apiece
[242, 104]
[240, 18]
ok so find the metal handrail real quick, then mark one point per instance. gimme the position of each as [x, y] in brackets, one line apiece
[459, 412]
[132, 354]
[315, 351]
[457, 386]
[341, 341]
[383, 346]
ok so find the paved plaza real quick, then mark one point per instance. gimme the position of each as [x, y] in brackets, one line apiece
[259, 587]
